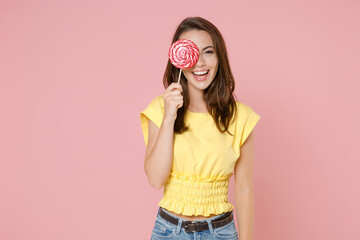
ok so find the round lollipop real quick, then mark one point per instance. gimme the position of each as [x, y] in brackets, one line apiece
[183, 54]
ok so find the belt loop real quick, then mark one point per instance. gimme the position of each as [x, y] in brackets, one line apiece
[178, 227]
[210, 226]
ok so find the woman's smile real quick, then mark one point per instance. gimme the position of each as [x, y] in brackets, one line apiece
[201, 75]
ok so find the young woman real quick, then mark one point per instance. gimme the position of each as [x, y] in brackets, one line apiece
[195, 136]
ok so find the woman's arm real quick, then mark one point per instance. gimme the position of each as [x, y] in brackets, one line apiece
[244, 193]
[159, 152]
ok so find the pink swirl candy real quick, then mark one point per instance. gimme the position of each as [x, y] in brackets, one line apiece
[183, 53]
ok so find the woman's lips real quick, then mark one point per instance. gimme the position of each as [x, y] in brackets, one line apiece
[201, 78]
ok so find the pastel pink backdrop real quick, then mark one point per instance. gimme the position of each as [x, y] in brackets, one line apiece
[74, 76]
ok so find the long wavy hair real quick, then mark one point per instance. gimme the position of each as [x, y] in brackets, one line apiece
[219, 95]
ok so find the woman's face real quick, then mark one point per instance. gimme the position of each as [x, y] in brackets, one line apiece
[201, 75]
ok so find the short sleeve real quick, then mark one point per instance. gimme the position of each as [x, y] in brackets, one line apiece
[155, 112]
[246, 120]
[250, 123]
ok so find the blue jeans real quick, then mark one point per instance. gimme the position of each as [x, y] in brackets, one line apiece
[164, 229]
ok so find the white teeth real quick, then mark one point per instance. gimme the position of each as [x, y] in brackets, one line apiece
[200, 73]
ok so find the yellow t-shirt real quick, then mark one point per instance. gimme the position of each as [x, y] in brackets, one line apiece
[203, 161]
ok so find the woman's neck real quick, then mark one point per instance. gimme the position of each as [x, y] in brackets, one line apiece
[197, 103]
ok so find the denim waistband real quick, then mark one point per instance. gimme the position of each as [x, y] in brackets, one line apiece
[204, 220]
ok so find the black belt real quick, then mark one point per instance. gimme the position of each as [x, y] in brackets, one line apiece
[191, 227]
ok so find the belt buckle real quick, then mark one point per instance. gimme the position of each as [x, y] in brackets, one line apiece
[186, 226]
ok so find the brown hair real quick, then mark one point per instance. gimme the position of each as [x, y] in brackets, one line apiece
[219, 95]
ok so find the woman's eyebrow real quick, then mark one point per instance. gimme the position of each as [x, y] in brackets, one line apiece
[207, 47]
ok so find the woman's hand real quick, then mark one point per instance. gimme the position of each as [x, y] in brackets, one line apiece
[173, 100]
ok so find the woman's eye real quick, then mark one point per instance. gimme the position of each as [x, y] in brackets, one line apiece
[209, 52]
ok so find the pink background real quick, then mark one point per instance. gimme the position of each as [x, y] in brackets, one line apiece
[74, 76]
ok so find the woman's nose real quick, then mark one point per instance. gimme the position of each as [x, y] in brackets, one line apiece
[200, 61]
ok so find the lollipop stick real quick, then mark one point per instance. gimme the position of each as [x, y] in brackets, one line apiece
[179, 76]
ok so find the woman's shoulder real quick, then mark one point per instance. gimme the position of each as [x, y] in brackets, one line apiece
[243, 108]
[245, 113]
[158, 100]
